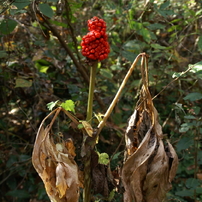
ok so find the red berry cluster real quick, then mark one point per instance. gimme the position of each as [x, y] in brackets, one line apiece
[95, 45]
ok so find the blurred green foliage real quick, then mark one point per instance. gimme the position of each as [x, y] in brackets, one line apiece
[36, 69]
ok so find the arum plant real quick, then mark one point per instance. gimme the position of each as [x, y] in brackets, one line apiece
[53, 158]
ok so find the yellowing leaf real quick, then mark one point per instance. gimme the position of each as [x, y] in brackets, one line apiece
[9, 46]
[38, 55]
[20, 82]
[99, 116]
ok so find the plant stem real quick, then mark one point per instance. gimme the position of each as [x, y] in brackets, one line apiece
[93, 69]
[112, 105]
[89, 143]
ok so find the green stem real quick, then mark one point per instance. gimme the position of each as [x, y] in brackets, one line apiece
[89, 144]
[93, 69]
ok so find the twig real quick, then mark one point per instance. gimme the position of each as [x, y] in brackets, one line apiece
[68, 10]
[6, 7]
[22, 25]
[68, 50]
[172, 82]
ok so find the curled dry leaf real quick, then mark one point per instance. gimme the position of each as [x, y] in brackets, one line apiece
[149, 165]
[55, 164]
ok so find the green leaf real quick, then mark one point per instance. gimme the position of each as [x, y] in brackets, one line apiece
[46, 10]
[177, 74]
[21, 3]
[80, 126]
[166, 13]
[193, 96]
[20, 82]
[7, 26]
[12, 159]
[156, 26]
[106, 73]
[198, 12]
[132, 46]
[19, 194]
[192, 183]
[42, 65]
[200, 43]
[157, 46]
[111, 195]
[128, 55]
[43, 69]
[199, 190]
[184, 143]
[24, 157]
[16, 11]
[3, 54]
[145, 33]
[185, 193]
[116, 155]
[68, 105]
[103, 158]
[51, 105]
[11, 183]
[197, 68]
[196, 110]
[178, 106]
[116, 67]
[189, 117]
[184, 128]
[165, 5]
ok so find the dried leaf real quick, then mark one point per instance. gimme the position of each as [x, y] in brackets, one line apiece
[148, 169]
[60, 182]
[149, 166]
[55, 164]
[70, 147]
[135, 167]
[88, 128]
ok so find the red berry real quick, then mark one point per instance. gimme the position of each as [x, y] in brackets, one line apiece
[95, 45]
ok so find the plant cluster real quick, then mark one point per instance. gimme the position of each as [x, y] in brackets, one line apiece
[41, 62]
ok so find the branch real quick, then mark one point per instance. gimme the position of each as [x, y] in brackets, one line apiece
[68, 12]
[68, 50]
[182, 73]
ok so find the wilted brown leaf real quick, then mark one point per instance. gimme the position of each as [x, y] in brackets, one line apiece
[149, 166]
[55, 164]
